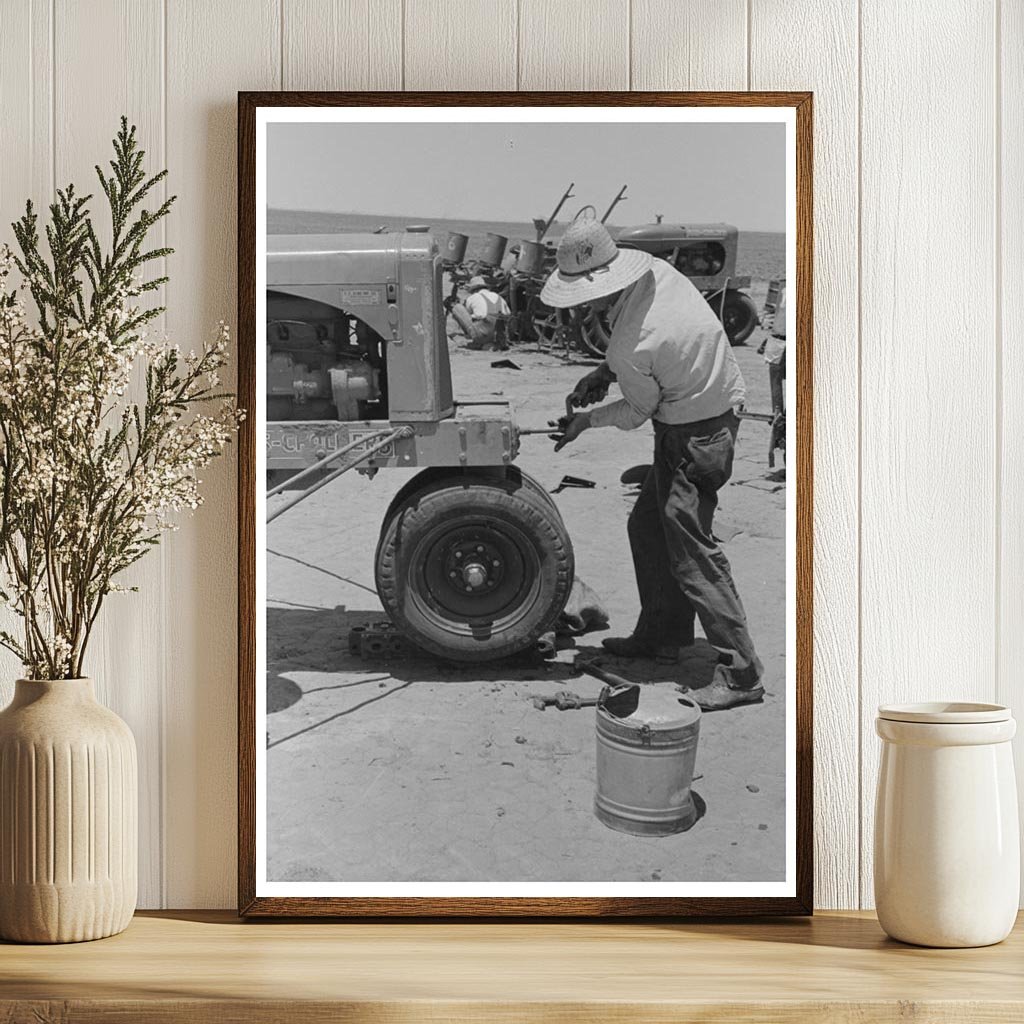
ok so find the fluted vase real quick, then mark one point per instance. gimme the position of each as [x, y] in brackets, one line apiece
[68, 815]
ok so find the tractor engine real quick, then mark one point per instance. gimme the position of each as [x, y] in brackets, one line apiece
[322, 364]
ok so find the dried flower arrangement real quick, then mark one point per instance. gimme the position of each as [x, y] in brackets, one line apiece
[90, 477]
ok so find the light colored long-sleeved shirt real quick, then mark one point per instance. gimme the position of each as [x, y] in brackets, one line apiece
[670, 355]
[485, 303]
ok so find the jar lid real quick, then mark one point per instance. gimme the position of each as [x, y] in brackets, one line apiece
[945, 713]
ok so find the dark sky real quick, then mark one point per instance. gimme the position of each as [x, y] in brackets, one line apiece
[732, 172]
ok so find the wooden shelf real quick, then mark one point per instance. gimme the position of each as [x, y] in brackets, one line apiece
[210, 967]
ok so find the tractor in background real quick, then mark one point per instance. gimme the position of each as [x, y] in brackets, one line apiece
[706, 254]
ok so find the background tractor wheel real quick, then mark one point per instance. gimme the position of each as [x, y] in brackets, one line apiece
[474, 567]
[550, 326]
[594, 332]
[738, 314]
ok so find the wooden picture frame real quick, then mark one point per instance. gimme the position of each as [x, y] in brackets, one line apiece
[253, 904]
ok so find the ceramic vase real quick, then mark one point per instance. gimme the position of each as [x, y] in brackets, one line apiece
[68, 813]
[947, 847]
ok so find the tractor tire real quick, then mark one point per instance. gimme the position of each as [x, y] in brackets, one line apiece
[738, 315]
[520, 479]
[513, 474]
[474, 567]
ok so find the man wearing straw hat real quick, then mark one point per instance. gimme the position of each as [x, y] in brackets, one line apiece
[673, 363]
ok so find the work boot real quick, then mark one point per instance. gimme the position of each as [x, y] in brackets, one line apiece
[722, 692]
[639, 647]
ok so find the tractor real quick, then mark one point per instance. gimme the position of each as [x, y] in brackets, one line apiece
[706, 254]
[473, 561]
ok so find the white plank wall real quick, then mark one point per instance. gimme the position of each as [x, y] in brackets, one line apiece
[342, 44]
[465, 44]
[1009, 316]
[928, 511]
[26, 154]
[574, 44]
[832, 74]
[919, 350]
[130, 34]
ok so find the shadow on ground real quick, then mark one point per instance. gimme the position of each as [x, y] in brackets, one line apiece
[304, 639]
[694, 669]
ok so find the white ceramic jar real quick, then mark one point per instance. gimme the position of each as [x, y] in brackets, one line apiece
[947, 847]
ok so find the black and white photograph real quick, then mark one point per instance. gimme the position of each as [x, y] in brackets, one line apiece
[525, 585]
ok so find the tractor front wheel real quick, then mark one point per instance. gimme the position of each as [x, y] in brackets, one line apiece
[737, 313]
[474, 568]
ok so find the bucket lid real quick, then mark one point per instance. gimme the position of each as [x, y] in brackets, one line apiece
[945, 713]
[661, 707]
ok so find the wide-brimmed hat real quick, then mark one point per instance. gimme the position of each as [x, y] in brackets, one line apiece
[590, 265]
[476, 283]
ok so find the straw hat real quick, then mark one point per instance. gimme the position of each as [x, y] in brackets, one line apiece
[590, 265]
[476, 283]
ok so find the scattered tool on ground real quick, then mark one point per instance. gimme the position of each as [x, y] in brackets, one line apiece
[505, 364]
[592, 668]
[573, 481]
[377, 640]
[564, 700]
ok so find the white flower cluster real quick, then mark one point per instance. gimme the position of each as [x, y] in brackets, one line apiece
[103, 433]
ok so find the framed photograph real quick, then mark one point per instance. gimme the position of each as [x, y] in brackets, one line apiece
[525, 504]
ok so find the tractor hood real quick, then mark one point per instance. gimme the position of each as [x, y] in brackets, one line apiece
[343, 258]
[665, 234]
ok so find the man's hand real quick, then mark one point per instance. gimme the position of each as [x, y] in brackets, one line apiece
[591, 388]
[568, 429]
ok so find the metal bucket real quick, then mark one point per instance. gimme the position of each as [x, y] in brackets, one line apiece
[454, 247]
[531, 258]
[491, 248]
[646, 752]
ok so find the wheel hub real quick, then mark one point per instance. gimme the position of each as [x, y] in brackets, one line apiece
[473, 564]
[474, 574]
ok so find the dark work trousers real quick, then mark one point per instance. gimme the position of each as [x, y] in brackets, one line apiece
[777, 383]
[680, 569]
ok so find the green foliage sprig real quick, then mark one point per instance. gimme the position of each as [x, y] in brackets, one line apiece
[89, 477]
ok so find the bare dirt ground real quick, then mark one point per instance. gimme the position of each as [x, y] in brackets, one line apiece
[413, 770]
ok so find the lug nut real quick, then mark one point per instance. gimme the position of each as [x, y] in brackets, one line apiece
[458, 554]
